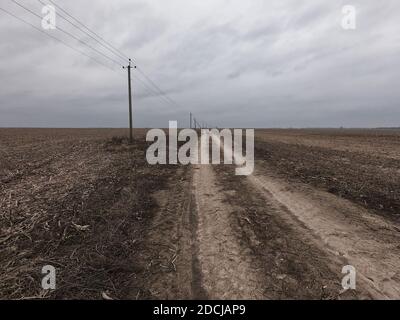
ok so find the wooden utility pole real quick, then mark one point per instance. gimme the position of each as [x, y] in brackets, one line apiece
[190, 120]
[129, 67]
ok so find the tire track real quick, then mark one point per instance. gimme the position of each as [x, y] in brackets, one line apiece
[341, 229]
[227, 269]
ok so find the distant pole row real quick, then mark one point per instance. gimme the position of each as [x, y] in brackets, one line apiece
[195, 124]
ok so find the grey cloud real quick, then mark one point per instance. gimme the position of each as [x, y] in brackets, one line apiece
[281, 63]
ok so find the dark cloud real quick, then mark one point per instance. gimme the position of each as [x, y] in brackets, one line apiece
[281, 63]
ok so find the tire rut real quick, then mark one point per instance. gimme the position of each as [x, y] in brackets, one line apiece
[342, 229]
[228, 270]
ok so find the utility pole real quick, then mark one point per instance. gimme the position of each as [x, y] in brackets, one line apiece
[129, 67]
[190, 120]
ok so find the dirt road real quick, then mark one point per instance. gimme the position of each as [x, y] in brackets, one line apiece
[328, 231]
[338, 227]
[116, 227]
[260, 237]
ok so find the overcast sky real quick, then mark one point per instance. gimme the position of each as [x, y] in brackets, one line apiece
[233, 63]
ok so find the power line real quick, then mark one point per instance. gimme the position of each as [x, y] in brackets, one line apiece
[156, 94]
[152, 89]
[88, 34]
[120, 54]
[69, 34]
[55, 38]
[88, 29]
[146, 86]
[157, 87]
[149, 90]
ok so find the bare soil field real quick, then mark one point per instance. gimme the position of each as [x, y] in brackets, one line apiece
[360, 165]
[114, 227]
[79, 200]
